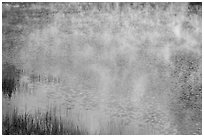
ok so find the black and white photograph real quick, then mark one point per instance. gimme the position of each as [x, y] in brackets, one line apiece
[101, 68]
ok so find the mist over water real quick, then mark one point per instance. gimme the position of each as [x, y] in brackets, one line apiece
[110, 68]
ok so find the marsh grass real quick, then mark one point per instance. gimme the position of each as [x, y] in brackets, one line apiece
[37, 124]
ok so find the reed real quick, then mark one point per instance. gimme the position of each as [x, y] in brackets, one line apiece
[37, 124]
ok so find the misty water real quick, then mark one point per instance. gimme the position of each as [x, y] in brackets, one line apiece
[108, 68]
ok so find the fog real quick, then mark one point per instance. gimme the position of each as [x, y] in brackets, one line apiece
[108, 68]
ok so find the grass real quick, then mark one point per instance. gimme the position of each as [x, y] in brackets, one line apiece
[38, 124]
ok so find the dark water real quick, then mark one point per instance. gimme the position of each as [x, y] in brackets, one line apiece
[109, 71]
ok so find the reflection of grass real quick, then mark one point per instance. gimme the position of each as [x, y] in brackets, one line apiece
[38, 124]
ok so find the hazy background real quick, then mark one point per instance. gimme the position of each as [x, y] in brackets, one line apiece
[110, 68]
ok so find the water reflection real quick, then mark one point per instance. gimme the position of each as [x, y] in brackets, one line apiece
[88, 108]
[10, 79]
